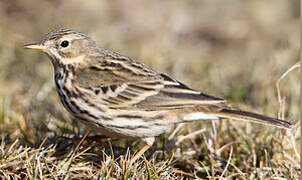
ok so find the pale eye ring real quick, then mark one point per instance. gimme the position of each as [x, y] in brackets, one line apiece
[64, 44]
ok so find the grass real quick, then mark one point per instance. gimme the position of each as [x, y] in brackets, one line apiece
[204, 44]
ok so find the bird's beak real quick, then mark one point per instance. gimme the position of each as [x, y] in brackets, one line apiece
[37, 46]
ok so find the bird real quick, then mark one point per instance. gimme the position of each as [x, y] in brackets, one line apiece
[122, 98]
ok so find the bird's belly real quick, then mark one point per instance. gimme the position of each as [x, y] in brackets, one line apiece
[119, 125]
[127, 131]
[116, 123]
[113, 125]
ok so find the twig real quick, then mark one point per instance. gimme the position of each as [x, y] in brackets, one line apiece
[298, 64]
[282, 101]
[179, 126]
[181, 138]
[228, 163]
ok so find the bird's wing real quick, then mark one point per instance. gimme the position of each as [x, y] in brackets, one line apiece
[129, 84]
[169, 93]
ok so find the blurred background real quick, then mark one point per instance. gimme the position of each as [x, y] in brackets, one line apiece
[232, 49]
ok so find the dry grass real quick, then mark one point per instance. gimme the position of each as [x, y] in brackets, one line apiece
[238, 50]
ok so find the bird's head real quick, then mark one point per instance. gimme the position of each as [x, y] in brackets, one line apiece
[66, 46]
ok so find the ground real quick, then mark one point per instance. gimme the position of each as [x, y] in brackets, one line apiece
[238, 50]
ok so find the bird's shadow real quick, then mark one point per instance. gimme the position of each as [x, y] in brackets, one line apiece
[96, 148]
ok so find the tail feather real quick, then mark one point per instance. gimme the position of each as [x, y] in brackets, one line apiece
[249, 116]
[229, 113]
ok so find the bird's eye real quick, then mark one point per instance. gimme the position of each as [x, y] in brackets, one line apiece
[64, 43]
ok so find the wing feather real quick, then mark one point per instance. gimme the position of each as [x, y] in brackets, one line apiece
[129, 84]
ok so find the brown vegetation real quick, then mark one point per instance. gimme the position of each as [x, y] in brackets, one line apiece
[237, 50]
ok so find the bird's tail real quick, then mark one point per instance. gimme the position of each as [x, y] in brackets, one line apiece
[230, 113]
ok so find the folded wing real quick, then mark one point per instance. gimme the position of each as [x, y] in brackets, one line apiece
[128, 84]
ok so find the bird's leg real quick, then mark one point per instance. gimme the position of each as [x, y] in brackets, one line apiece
[149, 141]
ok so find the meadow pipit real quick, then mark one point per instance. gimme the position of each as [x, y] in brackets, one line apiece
[122, 98]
